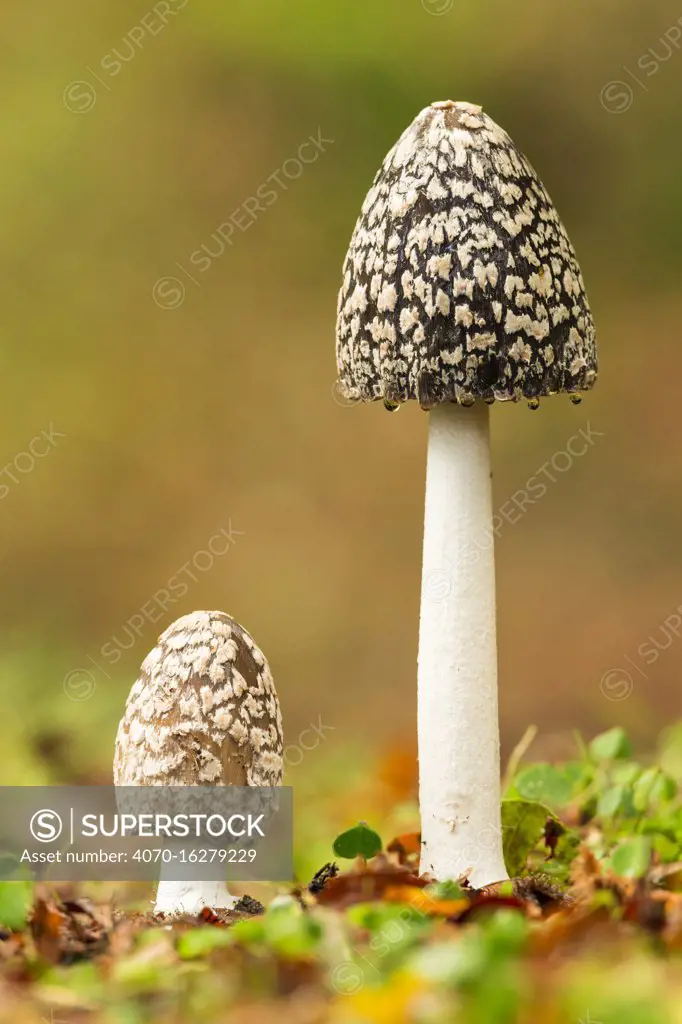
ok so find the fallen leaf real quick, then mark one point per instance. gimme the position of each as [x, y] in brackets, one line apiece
[70, 931]
[368, 885]
[406, 847]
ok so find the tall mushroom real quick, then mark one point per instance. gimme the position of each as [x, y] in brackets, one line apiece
[460, 289]
[203, 711]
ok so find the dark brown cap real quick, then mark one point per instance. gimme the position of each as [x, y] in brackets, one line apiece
[460, 281]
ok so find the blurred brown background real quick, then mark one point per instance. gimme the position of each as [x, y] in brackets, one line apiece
[130, 133]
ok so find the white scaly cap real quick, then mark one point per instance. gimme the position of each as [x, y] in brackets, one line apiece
[204, 711]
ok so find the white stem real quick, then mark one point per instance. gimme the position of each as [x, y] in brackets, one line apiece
[183, 897]
[459, 746]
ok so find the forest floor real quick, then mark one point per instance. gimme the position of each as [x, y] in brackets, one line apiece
[588, 932]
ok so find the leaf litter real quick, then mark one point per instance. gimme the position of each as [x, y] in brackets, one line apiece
[588, 928]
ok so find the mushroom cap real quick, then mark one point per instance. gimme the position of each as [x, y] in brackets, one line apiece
[203, 711]
[460, 281]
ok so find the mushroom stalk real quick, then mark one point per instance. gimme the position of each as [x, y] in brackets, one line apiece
[459, 747]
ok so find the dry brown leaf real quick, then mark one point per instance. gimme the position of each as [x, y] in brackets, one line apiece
[73, 930]
[368, 885]
[406, 847]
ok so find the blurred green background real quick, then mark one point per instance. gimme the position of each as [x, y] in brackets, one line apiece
[130, 133]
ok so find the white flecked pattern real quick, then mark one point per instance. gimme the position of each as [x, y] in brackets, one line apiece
[205, 694]
[460, 281]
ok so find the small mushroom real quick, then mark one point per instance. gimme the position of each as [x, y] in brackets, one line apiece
[460, 289]
[204, 711]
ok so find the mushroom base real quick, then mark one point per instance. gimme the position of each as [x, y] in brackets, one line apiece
[175, 898]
